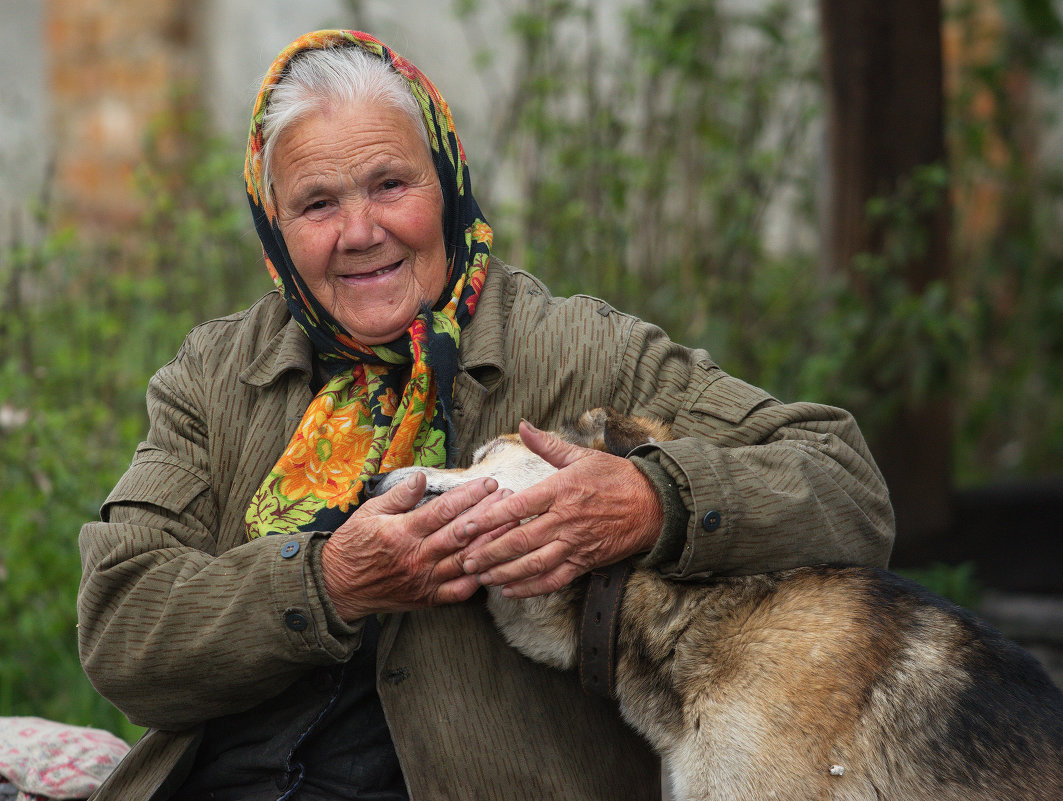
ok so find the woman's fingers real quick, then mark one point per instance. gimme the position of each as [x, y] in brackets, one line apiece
[448, 506]
[504, 519]
[547, 568]
[400, 498]
[594, 511]
[449, 523]
[483, 539]
[552, 581]
[385, 558]
[454, 591]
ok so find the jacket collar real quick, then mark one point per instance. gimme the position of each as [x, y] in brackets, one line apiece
[289, 349]
[482, 341]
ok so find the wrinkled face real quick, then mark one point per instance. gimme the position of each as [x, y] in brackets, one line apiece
[361, 211]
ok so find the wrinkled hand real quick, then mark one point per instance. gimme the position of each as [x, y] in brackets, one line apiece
[596, 510]
[391, 557]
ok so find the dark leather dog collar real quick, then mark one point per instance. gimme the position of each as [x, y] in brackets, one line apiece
[598, 629]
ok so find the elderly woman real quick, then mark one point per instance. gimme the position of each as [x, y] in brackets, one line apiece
[349, 655]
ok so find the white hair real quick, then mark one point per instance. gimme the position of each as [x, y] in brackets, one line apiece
[344, 75]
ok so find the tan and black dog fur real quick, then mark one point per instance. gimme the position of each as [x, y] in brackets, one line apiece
[812, 683]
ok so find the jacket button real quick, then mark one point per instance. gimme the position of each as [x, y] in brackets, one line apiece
[711, 521]
[290, 549]
[296, 620]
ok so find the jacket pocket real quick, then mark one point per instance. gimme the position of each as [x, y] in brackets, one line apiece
[158, 479]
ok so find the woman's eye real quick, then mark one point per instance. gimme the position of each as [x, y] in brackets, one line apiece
[317, 205]
[391, 183]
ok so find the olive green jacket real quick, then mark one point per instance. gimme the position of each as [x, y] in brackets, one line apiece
[182, 620]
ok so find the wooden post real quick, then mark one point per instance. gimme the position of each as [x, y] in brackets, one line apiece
[883, 76]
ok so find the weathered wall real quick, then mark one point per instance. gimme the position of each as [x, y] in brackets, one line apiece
[241, 38]
[112, 66]
[23, 111]
[84, 80]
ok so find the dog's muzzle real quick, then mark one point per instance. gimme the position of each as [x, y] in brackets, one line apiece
[380, 483]
[373, 484]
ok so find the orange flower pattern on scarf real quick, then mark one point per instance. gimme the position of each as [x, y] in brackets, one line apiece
[367, 419]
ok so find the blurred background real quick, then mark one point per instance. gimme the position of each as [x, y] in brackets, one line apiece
[844, 201]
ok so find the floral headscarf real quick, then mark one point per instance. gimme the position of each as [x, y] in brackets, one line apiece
[365, 420]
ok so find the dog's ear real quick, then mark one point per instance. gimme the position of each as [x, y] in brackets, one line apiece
[623, 433]
[610, 431]
[587, 431]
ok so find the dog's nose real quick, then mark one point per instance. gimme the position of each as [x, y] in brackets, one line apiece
[372, 486]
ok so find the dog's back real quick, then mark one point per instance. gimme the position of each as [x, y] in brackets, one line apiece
[833, 683]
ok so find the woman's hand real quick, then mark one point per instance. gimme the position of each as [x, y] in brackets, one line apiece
[390, 556]
[595, 510]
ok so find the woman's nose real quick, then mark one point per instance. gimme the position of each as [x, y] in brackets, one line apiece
[360, 231]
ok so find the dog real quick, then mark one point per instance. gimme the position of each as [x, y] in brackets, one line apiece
[826, 682]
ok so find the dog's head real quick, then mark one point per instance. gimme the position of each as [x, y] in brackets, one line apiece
[514, 467]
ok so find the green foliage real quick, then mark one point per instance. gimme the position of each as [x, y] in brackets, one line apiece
[1009, 414]
[646, 168]
[76, 352]
[958, 583]
[674, 167]
[676, 173]
[894, 345]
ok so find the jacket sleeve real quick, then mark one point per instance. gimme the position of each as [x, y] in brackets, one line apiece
[765, 485]
[172, 631]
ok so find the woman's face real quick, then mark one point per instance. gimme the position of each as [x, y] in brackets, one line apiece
[359, 205]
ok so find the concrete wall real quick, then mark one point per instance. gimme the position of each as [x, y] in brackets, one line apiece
[110, 67]
[239, 39]
[24, 133]
[242, 37]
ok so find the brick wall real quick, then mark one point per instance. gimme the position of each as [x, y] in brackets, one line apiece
[113, 66]
[96, 75]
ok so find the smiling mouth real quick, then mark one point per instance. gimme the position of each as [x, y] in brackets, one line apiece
[374, 274]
